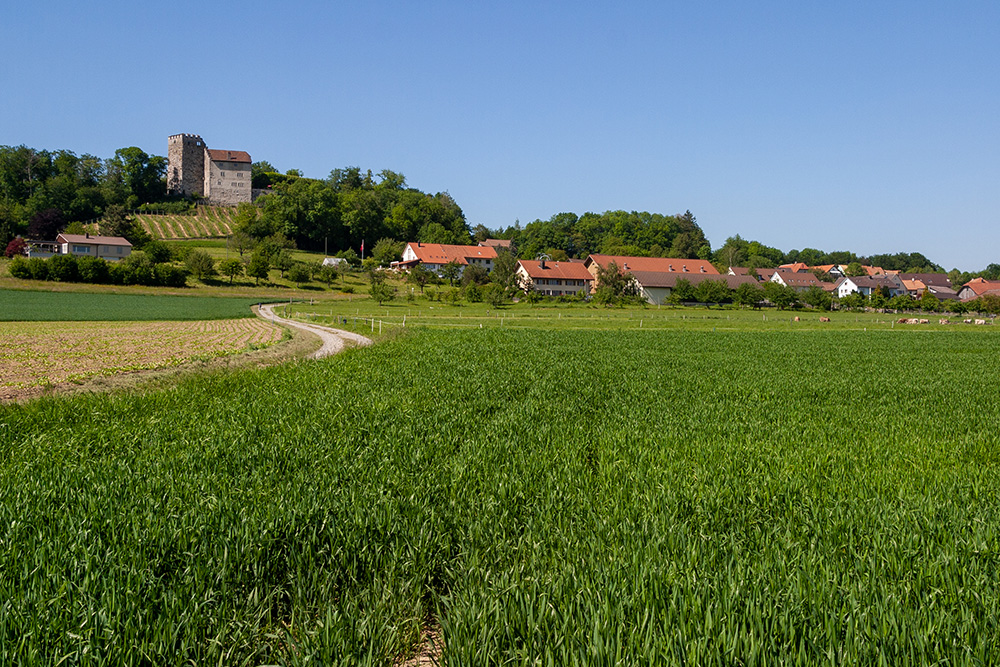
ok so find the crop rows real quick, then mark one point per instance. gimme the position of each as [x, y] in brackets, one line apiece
[27, 305]
[544, 497]
[34, 355]
[211, 221]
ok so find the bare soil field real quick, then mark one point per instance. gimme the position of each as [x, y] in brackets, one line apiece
[36, 357]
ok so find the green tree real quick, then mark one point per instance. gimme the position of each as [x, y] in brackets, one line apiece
[232, 268]
[474, 273]
[379, 289]
[259, 267]
[504, 271]
[282, 261]
[929, 303]
[817, 297]
[749, 294]
[327, 273]
[855, 269]
[200, 264]
[299, 273]
[779, 295]
[682, 292]
[157, 251]
[387, 251]
[420, 276]
[852, 301]
[451, 272]
[494, 294]
[713, 291]
[137, 176]
[614, 286]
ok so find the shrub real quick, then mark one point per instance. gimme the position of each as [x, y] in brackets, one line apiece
[19, 268]
[64, 268]
[38, 268]
[92, 270]
[169, 275]
[17, 247]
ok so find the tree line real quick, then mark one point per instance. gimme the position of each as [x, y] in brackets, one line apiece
[44, 192]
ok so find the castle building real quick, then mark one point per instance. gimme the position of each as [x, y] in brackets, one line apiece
[220, 176]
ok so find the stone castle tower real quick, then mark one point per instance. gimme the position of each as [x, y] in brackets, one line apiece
[186, 160]
[220, 176]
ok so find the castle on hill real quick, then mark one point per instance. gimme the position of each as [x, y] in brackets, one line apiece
[220, 176]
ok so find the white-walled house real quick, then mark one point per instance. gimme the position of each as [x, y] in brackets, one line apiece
[554, 278]
[865, 285]
[435, 255]
[112, 248]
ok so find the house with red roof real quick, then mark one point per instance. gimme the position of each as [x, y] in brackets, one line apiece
[554, 278]
[799, 281]
[650, 273]
[977, 287]
[435, 255]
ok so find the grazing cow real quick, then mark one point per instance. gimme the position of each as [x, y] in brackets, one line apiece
[824, 319]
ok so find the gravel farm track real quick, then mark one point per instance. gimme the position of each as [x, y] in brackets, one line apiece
[334, 340]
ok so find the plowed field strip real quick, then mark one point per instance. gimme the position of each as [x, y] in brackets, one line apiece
[35, 354]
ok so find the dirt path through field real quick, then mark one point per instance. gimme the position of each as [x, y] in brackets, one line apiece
[334, 340]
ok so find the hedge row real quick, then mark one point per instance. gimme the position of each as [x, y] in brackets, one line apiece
[137, 269]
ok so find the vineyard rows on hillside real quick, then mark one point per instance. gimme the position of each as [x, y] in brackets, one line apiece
[210, 221]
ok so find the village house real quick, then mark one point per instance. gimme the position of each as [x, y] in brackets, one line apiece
[554, 278]
[865, 285]
[434, 256]
[652, 264]
[112, 248]
[657, 286]
[977, 287]
[797, 280]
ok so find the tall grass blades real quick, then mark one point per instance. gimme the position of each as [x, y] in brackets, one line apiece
[546, 497]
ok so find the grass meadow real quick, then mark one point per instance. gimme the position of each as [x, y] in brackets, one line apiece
[555, 495]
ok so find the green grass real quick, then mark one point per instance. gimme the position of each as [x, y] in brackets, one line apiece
[547, 496]
[359, 311]
[24, 305]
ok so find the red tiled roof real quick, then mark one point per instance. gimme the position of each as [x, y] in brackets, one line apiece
[981, 286]
[228, 156]
[662, 279]
[656, 264]
[441, 253]
[559, 270]
[795, 266]
[796, 279]
[89, 238]
[496, 243]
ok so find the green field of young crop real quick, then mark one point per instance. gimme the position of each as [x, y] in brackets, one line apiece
[543, 497]
[35, 306]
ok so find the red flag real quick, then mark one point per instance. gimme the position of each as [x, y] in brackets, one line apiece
[362, 246]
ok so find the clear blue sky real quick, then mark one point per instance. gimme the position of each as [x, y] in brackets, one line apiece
[865, 126]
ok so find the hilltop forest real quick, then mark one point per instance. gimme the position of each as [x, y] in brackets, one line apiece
[44, 192]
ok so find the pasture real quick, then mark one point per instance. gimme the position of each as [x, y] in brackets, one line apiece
[543, 496]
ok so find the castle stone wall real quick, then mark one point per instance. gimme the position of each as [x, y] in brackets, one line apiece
[186, 165]
[227, 182]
